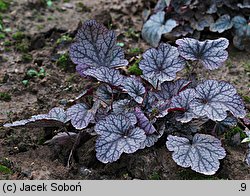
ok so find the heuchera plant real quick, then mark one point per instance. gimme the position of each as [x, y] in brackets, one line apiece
[180, 18]
[130, 112]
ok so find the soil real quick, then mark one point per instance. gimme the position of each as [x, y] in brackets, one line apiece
[40, 27]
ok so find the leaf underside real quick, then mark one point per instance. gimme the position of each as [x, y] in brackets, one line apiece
[55, 118]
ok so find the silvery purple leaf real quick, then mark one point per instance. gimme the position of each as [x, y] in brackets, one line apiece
[105, 74]
[222, 24]
[104, 93]
[80, 115]
[171, 89]
[156, 26]
[95, 46]
[55, 118]
[117, 135]
[162, 63]
[162, 108]
[121, 106]
[202, 154]
[215, 98]
[143, 122]
[134, 88]
[183, 101]
[152, 80]
[211, 53]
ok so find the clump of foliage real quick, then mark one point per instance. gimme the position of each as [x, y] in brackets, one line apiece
[130, 112]
[5, 96]
[4, 5]
[176, 18]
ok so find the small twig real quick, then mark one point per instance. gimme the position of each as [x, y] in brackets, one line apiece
[73, 148]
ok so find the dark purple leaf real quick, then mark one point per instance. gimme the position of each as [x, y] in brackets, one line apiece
[183, 101]
[143, 122]
[117, 135]
[80, 115]
[55, 118]
[134, 88]
[171, 89]
[211, 53]
[202, 154]
[95, 46]
[215, 98]
[107, 75]
[162, 63]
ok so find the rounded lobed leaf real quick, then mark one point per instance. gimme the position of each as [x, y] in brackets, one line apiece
[156, 26]
[222, 24]
[214, 98]
[95, 46]
[107, 75]
[117, 135]
[134, 88]
[211, 53]
[183, 101]
[202, 155]
[80, 115]
[171, 89]
[162, 63]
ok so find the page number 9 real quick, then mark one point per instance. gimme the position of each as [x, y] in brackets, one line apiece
[243, 187]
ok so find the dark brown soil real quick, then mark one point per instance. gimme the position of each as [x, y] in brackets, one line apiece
[22, 150]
